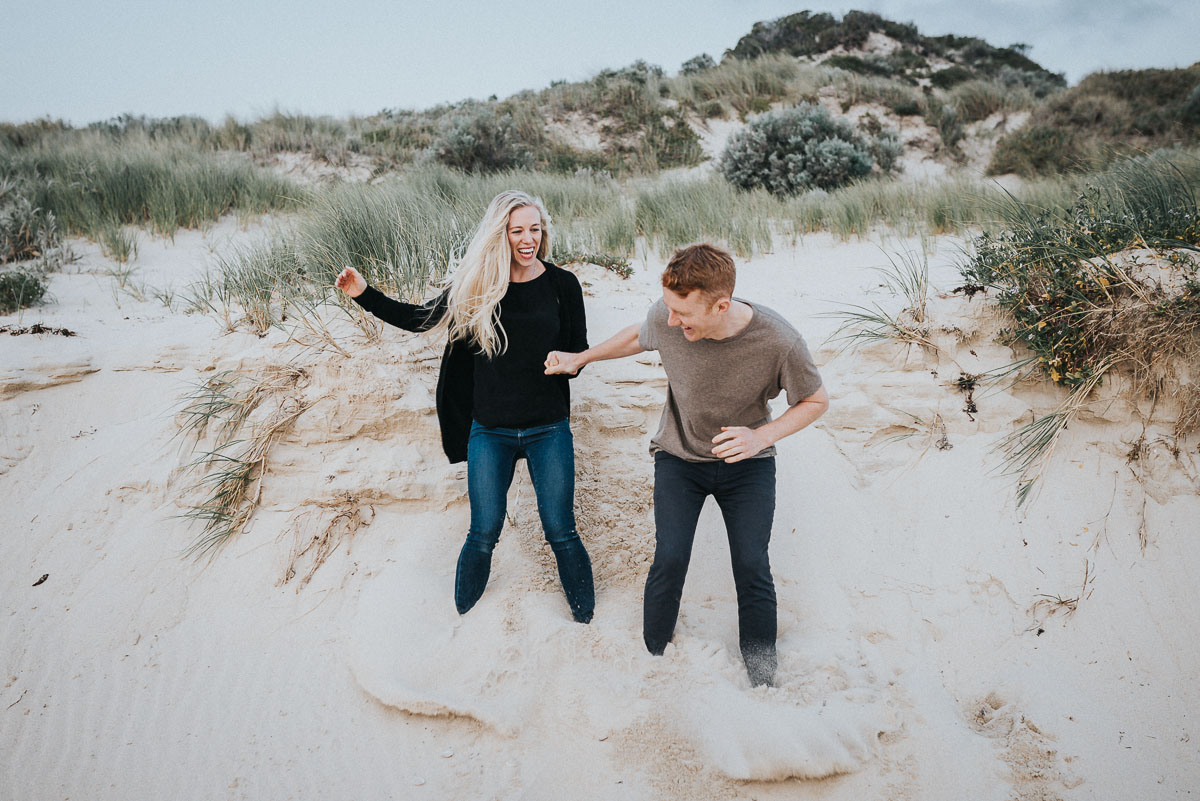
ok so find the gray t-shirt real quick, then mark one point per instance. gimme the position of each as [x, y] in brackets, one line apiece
[726, 382]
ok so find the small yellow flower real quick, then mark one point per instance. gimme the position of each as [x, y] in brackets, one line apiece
[1054, 376]
[1041, 325]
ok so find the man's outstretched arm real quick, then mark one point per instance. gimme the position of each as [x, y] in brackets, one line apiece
[621, 344]
[735, 443]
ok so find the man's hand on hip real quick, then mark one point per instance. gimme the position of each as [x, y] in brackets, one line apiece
[736, 443]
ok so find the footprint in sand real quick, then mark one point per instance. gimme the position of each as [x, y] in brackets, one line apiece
[1034, 769]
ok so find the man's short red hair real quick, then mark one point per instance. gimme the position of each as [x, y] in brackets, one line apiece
[703, 267]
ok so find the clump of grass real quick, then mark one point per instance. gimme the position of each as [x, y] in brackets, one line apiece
[1029, 449]
[28, 233]
[946, 120]
[979, 99]
[616, 264]
[118, 243]
[255, 277]
[1053, 269]
[739, 86]
[230, 472]
[349, 514]
[908, 277]
[403, 235]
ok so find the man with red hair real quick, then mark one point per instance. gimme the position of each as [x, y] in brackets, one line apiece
[725, 358]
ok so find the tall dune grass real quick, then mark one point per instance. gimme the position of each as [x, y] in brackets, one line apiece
[675, 213]
[403, 235]
[95, 184]
[744, 86]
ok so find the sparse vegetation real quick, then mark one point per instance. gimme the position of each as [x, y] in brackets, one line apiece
[230, 472]
[908, 277]
[978, 99]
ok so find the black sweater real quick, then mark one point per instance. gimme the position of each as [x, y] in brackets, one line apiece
[456, 380]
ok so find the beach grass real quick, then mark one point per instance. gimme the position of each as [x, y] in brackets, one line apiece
[404, 235]
[229, 471]
[94, 184]
[670, 214]
[907, 276]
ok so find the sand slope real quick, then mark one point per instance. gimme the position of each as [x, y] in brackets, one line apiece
[923, 653]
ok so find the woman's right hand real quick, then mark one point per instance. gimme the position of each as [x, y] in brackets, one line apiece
[351, 282]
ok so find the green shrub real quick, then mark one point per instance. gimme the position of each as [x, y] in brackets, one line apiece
[1052, 269]
[20, 288]
[807, 34]
[794, 150]
[950, 77]
[478, 139]
[907, 106]
[868, 66]
[1190, 113]
[697, 64]
[1035, 150]
[1070, 282]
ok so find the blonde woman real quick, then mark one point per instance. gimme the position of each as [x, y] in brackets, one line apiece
[507, 307]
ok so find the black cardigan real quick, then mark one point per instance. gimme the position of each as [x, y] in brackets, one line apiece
[456, 379]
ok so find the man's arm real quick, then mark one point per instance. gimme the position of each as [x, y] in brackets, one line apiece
[621, 344]
[736, 443]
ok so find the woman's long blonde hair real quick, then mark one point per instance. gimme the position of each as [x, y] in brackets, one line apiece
[481, 278]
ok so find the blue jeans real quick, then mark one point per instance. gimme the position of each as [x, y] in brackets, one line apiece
[745, 492]
[492, 455]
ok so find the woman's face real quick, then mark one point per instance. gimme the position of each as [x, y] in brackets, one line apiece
[525, 235]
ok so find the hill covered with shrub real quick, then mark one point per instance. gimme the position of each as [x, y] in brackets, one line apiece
[907, 54]
[1108, 113]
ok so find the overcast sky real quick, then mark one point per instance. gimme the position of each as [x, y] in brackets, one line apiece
[85, 61]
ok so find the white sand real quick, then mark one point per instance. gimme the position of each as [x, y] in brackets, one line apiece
[920, 657]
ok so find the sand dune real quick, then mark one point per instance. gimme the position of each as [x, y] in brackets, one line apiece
[936, 642]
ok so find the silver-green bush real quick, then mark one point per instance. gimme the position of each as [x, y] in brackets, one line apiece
[800, 148]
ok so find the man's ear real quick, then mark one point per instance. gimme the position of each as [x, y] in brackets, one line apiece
[722, 305]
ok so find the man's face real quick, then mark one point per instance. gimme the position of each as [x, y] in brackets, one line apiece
[695, 313]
